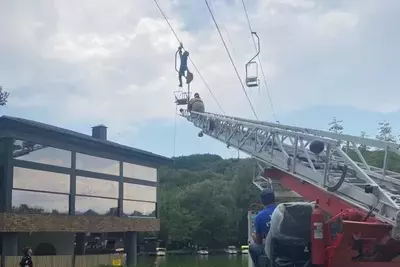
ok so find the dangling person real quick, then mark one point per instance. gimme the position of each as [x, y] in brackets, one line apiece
[183, 67]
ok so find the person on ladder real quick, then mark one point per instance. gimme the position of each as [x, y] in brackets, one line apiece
[183, 67]
[196, 104]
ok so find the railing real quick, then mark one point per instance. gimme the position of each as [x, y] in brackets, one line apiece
[68, 260]
[42, 261]
[98, 260]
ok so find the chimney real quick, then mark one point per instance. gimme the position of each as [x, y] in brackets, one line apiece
[99, 132]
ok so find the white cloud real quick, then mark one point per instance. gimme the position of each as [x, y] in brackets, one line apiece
[97, 61]
[335, 23]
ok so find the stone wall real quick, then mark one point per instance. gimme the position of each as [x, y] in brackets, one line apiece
[12, 222]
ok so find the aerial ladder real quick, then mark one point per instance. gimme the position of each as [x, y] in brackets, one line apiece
[363, 201]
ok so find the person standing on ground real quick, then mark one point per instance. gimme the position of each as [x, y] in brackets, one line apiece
[262, 224]
[26, 260]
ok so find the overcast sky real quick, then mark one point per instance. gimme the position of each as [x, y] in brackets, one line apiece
[80, 63]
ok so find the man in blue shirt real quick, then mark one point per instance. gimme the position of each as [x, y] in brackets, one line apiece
[261, 225]
[183, 67]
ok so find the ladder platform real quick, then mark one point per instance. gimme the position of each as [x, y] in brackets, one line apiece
[181, 97]
[287, 148]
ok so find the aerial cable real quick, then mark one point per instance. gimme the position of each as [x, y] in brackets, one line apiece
[230, 57]
[261, 66]
[195, 67]
[226, 31]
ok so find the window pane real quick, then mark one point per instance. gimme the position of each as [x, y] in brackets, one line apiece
[35, 202]
[96, 164]
[140, 192]
[92, 206]
[139, 209]
[140, 172]
[41, 180]
[29, 151]
[96, 187]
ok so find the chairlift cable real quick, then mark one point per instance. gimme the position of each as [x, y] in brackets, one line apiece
[227, 33]
[261, 66]
[230, 57]
[194, 65]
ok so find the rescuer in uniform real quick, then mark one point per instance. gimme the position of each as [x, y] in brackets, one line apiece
[262, 225]
[196, 104]
[26, 260]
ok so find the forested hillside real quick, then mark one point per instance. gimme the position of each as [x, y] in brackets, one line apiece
[204, 198]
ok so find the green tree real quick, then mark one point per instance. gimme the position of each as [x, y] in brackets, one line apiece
[336, 126]
[385, 132]
[3, 96]
[206, 205]
[204, 199]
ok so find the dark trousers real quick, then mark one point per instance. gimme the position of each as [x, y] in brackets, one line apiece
[257, 252]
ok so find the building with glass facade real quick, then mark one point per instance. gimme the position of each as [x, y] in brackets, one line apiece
[56, 185]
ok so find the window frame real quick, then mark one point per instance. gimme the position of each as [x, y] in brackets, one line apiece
[96, 197]
[67, 192]
[74, 148]
[39, 163]
[40, 192]
[99, 196]
[137, 216]
[95, 172]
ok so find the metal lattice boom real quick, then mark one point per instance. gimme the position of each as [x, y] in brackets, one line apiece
[288, 148]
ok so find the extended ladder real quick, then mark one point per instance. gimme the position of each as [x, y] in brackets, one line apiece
[287, 148]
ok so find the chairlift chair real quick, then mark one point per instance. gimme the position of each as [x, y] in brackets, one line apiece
[183, 97]
[253, 81]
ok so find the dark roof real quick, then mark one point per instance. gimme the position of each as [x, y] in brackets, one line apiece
[10, 123]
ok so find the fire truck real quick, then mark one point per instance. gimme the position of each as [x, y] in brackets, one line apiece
[353, 217]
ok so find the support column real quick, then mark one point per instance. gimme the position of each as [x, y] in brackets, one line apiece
[9, 244]
[72, 185]
[121, 190]
[131, 248]
[7, 183]
[80, 243]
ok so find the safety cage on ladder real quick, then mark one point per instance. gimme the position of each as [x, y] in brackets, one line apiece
[252, 79]
[181, 97]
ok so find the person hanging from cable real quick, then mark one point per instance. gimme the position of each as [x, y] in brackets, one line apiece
[183, 67]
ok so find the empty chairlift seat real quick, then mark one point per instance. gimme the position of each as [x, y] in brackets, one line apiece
[252, 67]
[252, 81]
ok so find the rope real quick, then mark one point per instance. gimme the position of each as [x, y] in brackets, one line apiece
[261, 66]
[194, 65]
[174, 148]
[230, 57]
